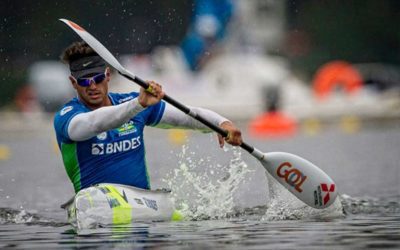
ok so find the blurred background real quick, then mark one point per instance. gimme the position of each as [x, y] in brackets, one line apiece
[280, 68]
[300, 59]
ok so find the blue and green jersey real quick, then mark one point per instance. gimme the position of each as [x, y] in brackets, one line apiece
[114, 156]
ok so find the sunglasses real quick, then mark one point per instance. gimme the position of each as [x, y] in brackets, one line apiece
[85, 82]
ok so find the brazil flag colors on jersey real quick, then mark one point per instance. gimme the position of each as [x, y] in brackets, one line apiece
[114, 156]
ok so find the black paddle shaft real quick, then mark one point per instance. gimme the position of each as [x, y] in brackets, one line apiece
[188, 111]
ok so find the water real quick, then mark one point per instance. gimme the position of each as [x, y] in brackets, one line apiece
[360, 231]
[226, 195]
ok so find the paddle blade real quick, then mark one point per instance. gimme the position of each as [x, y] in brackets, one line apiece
[302, 178]
[97, 46]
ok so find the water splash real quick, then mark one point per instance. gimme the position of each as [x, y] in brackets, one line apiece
[285, 206]
[21, 216]
[199, 195]
[369, 205]
[15, 216]
[202, 189]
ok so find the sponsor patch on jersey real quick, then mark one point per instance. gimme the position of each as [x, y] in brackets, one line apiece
[126, 129]
[97, 149]
[102, 136]
[115, 147]
[66, 110]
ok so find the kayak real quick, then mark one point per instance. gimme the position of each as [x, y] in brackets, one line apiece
[108, 204]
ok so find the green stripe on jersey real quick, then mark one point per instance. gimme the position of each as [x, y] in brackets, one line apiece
[71, 164]
[146, 168]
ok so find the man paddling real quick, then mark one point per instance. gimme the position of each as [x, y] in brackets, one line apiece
[100, 134]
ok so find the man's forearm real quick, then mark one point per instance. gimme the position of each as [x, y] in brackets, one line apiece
[174, 118]
[86, 125]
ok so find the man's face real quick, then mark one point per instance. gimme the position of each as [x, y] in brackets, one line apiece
[96, 94]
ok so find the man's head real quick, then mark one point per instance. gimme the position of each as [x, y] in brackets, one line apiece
[89, 74]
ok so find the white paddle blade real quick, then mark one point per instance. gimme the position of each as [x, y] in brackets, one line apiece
[97, 46]
[302, 178]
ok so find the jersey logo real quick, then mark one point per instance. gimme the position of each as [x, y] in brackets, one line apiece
[66, 110]
[102, 136]
[115, 147]
[126, 129]
[97, 149]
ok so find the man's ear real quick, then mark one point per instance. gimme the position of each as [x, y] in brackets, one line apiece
[73, 81]
[108, 72]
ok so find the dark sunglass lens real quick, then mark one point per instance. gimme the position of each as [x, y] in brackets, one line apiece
[99, 78]
[84, 82]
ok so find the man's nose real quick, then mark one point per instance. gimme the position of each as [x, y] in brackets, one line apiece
[92, 85]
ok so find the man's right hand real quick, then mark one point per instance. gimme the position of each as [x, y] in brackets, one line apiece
[152, 95]
[234, 135]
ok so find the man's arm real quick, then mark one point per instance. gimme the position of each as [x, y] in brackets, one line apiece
[86, 125]
[174, 118]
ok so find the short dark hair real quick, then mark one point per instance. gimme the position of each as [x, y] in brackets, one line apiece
[76, 51]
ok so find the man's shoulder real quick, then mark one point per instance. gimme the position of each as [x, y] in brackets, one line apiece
[119, 98]
[69, 107]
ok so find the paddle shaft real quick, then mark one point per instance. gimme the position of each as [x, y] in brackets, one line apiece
[189, 112]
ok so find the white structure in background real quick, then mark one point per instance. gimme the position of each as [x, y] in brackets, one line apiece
[49, 80]
[258, 24]
[235, 79]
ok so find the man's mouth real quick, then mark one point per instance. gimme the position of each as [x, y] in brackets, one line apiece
[94, 95]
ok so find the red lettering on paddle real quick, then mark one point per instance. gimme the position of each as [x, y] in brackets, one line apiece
[292, 176]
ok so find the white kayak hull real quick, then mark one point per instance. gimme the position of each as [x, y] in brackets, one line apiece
[113, 204]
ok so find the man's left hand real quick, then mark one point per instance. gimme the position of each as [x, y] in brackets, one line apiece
[234, 135]
[152, 95]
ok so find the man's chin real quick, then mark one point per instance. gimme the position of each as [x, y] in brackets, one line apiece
[95, 101]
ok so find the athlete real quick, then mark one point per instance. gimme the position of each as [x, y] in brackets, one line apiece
[100, 134]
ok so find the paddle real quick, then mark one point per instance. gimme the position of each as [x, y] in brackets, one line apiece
[302, 178]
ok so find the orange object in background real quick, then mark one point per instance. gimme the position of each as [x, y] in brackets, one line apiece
[336, 74]
[273, 124]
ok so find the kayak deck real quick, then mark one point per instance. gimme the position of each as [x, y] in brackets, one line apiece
[114, 204]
